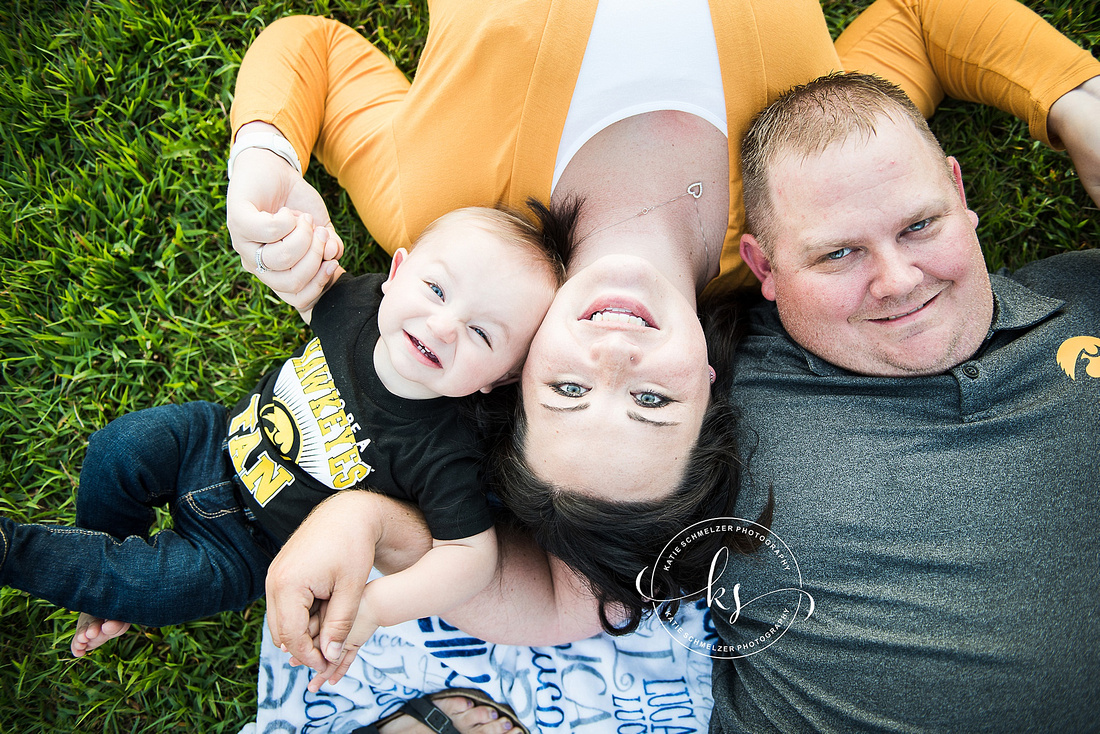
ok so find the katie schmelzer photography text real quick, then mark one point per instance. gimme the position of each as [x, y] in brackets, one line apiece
[759, 594]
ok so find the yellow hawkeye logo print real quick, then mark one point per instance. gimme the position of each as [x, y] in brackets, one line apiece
[1077, 348]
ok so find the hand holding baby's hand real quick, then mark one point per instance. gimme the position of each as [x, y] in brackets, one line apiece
[271, 213]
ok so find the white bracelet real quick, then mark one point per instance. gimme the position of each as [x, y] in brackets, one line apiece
[274, 142]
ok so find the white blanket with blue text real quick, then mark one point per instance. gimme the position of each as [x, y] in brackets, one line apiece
[635, 684]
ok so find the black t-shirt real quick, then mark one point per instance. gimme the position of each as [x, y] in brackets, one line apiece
[323, 422]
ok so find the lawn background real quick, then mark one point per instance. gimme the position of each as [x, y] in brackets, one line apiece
[119, 291]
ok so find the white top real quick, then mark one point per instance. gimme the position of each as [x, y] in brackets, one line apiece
[643, 56]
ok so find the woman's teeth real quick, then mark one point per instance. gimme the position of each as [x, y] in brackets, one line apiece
[623, 317]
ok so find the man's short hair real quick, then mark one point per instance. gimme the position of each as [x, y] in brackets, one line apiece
[809, 118]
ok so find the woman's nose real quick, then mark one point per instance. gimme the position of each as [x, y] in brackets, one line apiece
[614, 350]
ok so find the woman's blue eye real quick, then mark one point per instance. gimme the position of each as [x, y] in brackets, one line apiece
[435, 289]
[569, 389]
[838, 254]
[651, 399]
[483, 335]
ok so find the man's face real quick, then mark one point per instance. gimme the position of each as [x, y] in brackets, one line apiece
[875, 265]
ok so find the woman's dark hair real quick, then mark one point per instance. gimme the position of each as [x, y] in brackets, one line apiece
[609, 543]
[556, 225]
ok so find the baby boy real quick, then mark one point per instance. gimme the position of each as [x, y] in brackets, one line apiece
[367, 403]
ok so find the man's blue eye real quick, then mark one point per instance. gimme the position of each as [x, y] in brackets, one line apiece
[651, 399]
[569, 389]
[435, 289]
[838, 254]
[918, 226]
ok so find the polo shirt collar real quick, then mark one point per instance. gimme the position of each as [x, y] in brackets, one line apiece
[1016, 306]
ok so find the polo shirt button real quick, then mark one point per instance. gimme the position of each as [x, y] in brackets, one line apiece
[971, 371]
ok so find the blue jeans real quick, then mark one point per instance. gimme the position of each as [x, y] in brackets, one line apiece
[214, 558]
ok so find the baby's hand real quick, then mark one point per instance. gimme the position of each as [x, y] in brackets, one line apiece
[324, 242]
[361, 631]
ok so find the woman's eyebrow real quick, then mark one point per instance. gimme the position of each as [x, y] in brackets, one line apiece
[642, 419]
[570, 409]
[630, 414]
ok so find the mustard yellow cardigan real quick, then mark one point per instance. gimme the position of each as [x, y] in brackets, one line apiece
[482, 119]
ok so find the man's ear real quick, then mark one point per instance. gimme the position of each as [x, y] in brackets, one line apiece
[752, 252]
[398, 258]
[508, 379]
[956, 173]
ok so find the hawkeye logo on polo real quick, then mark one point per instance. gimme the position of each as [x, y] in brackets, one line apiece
[1078, 348]
[308, 426]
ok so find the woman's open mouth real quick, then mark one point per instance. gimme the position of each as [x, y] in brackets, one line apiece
[619, 311]
[622, 317]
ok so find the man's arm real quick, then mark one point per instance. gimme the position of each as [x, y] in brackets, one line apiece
[532, 599]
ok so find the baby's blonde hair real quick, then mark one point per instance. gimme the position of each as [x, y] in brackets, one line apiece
[535, 237]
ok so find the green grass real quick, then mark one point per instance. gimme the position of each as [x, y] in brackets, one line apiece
[119, 291]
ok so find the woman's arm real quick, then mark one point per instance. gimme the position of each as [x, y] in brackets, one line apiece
[996, 52]
[534, 600]
[322, 87]
[1074, 121]
[446, 576]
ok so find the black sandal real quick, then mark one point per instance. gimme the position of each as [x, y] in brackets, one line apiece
[424, 710]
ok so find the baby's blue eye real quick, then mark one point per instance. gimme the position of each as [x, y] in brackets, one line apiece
[838, 254]
[483, 335]
[651, 399]
[435, 289]
[569, 389]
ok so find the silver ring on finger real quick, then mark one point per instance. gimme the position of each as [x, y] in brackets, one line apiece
[260, 267]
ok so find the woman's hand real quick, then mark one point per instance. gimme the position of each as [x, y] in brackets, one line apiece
[270, 205]
[1075, 120]
[315, 585]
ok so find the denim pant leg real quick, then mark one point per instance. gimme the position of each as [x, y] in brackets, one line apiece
[213, 558]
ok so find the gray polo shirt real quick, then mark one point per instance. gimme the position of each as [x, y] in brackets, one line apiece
[946, 528]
